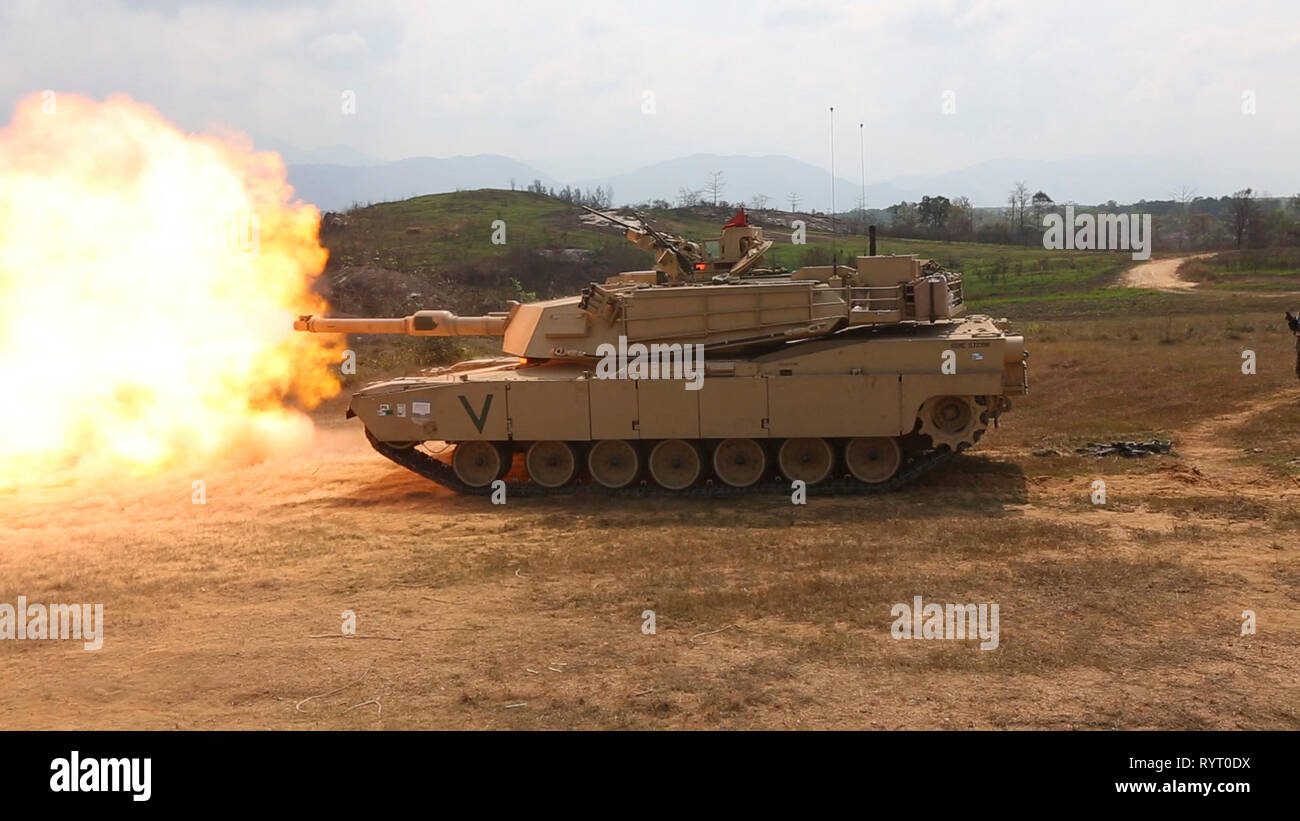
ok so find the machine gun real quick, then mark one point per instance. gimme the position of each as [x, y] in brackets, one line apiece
[683, 254]
[736, 253]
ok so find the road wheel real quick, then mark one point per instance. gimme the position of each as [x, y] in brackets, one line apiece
[551, 464]
[613, 463]
[873, 459]
[809, 460]
[479, 464]
[739, 462]
[675, 464]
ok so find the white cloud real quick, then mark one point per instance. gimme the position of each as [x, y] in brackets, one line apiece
[337, 44]
[559, 83]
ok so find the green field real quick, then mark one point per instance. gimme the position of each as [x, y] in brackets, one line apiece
[1265, 270]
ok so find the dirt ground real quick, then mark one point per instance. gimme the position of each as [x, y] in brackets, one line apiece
[1126, 614]
[1160, 274]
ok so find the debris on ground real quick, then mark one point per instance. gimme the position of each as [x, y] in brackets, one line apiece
[1125, 449]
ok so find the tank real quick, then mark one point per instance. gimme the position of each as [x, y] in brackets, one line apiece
[847, 378]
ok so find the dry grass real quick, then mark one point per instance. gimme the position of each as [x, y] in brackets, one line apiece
[768, 615]
[1138, 377]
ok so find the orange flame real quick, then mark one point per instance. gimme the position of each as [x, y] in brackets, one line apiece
[148, 283]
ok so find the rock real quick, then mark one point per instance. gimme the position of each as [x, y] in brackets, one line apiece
[1125, 449]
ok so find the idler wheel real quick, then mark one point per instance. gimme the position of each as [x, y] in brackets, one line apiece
[675, 464]
[613, 463]
[739, 462]
[551, 464]
[479, 464]
[809, 460]
[873, 459]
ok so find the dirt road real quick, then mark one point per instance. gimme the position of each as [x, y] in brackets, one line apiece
[1159, 274]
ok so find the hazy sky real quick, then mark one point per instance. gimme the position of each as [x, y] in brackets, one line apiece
[561, 84]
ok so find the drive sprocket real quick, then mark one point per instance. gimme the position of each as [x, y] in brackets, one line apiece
[953, 422]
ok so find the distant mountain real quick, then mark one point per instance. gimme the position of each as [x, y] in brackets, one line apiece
[334, 187]
[322, 155]
[1087, 180]
[330, 155]
[774, 176]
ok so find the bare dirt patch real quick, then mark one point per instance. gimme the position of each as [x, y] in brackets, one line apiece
[1159, 274]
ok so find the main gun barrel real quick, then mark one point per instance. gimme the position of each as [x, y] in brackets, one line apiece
[420, 323]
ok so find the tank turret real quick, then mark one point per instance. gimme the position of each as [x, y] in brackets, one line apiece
[729, 315]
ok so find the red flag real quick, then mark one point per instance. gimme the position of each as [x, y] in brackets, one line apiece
[738, 221]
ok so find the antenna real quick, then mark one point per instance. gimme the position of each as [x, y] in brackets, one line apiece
[862, 162]
[834, 260]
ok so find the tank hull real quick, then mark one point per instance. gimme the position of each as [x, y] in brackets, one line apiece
[925, 388]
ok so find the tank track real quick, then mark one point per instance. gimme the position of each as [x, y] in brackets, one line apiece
[435, 470]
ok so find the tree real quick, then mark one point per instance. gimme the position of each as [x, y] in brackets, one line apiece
[794, 201]
[758, 201]
[933, 213]
[1270, 226]
[1198, 228]
[715, 185]
[903, 218]
[687, 198]
[1040, 205]
[1241, 210]
[602, 197]
[1183, 199]
[961, 218]
[1018, 207]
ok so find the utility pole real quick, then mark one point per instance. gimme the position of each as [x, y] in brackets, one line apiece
[862, 162]
[834, 261]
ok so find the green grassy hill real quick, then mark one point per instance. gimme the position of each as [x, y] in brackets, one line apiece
[451, 229]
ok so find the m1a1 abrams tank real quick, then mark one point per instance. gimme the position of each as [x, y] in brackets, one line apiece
[849, 378]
